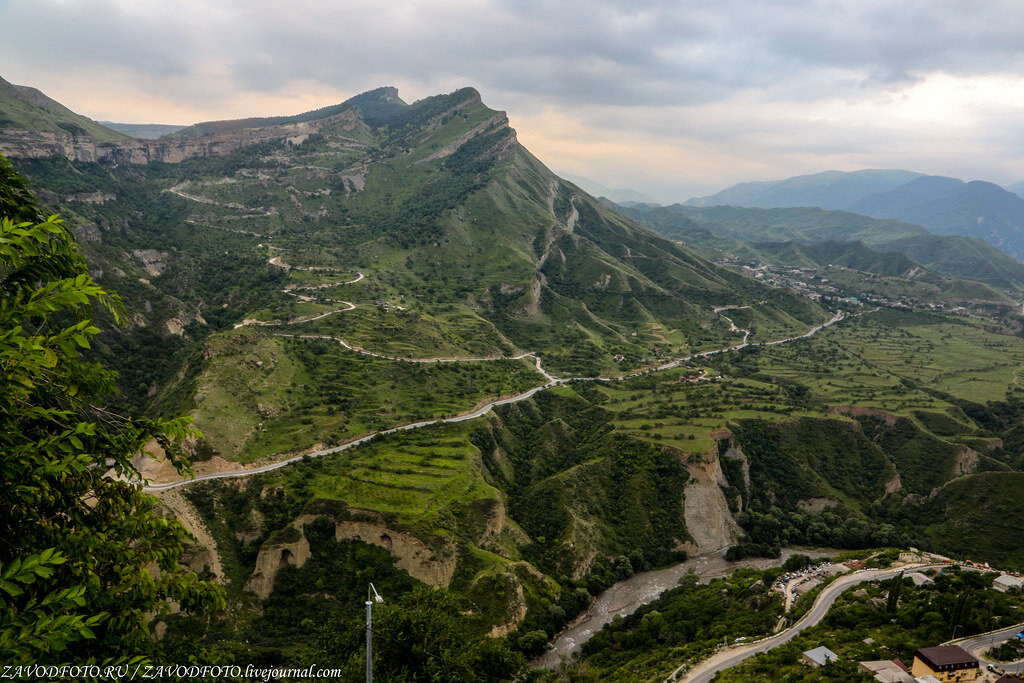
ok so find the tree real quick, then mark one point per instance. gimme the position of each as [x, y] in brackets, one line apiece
[423, 635]
[895, 588]
[84, 558]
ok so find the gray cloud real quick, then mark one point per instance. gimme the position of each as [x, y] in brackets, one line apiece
[759, 75]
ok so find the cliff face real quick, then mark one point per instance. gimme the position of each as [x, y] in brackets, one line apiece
[33, 144]
[409, 552]
[708, 518]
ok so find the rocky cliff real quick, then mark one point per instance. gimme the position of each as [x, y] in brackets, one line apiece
[19, 143]
[708, 518]
[410, 553]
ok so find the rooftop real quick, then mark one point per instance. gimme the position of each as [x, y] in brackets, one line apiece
[821, 655]
[947, 658]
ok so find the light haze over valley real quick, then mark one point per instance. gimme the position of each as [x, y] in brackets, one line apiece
[512, 341]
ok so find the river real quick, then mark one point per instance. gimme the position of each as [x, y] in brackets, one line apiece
[624, 597]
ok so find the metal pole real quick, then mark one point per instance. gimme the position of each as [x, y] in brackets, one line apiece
[369, 642]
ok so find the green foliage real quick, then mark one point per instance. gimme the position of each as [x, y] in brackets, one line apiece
[924, 616]
[421, 636]
[74, 566]
[743, 550]
[1011, 650]
[683, 623]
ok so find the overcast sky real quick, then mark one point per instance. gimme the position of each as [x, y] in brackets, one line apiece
[673, 98]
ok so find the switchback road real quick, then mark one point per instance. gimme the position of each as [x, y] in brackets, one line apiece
[479, 412]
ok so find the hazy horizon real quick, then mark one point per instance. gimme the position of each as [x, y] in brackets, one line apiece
[672, 100]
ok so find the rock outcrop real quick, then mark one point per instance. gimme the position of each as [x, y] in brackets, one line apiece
[706, 510]
[35, 144]
[272, 557]
[966, 462]
[409, 552]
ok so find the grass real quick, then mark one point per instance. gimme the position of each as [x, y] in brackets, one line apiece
[412, 333]
[666, 409]
[887, 360]
[262, 394]
[877, 359]
[412, 476]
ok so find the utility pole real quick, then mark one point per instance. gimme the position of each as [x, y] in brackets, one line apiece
[370, 592]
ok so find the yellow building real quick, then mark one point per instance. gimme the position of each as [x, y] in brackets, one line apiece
[949, 663]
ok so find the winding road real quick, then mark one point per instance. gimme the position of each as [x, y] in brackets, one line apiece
[478, 412]
[729, 657]
[291, 291]
[625, 597]
[984, 641]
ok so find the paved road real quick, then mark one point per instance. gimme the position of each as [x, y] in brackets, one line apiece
[706, 670]
[626, 596]
[480, 412]
[987, 640]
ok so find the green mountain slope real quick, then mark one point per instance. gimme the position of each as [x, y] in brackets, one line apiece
[372, 105]
[22, 107]
[949, 206]
[465, 245]
[726, 228]
[856, 255]
[827, 190]
[311, 288]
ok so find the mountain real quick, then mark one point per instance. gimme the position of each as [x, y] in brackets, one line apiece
[827, 190]
[619, 196]
[374, 106]
[359, 285]
[854, 255]
[946, 206]
[257, 258]
[948, 255]
[34, 126]
[147, 131]
[464, 217]
[25, 108]
[949, 206]
[1016, 188]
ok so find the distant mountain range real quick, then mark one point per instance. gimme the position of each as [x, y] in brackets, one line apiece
[146, 131]
[734, 229]
[828, 190]
[947, 206]
[622, 195]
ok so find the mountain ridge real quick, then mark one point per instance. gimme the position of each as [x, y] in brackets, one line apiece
[20, 138]
[947, 206]
[26, 107]
[950, 255]
[950, 206]
[836, 190]
[375, 103]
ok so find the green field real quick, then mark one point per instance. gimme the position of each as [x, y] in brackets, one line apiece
[262, 394]
[874, 359]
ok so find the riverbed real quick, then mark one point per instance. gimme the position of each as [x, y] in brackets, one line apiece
[624, 597]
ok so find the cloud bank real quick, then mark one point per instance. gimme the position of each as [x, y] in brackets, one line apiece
[673, 98]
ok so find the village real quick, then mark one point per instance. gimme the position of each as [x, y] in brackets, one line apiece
[868, 289]
[955, 660]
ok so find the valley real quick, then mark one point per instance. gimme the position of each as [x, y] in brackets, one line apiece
[416, 356]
